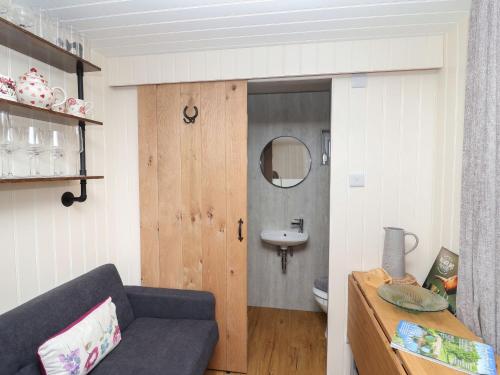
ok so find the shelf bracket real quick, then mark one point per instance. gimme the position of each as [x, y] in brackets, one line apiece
[69, 198]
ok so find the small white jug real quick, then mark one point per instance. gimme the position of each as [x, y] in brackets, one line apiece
[393, 259]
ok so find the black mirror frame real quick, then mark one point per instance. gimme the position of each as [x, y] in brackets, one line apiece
[308, 171]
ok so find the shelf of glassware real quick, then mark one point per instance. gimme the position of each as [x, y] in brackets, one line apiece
[42, 114]
[15, 180]
[27, 43]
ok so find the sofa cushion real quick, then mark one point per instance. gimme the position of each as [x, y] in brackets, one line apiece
[25, 328]
[84, 343]
[162, 347]
[171, 303]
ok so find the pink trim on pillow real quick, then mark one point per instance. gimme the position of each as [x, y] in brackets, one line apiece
[42, 368]
[40, 363]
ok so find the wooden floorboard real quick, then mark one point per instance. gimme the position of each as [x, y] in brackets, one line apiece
[284, 342]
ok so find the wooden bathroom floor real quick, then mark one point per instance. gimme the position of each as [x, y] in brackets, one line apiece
[283, 342]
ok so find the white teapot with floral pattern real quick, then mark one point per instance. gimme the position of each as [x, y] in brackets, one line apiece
[34, 90]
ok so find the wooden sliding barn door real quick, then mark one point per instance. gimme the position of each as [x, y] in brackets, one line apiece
[193, 192]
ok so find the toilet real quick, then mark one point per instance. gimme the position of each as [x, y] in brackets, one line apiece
[320, 292]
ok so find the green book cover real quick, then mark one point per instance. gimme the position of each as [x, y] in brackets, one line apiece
[464, 355]
[443, 279]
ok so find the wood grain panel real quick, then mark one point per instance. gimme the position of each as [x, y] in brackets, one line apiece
[169, 182]
[148, 185]
[286, 342]
[213, 194]
[191, 189]
[201, 178]
[282, 342]
[236, 174]
[368, 343]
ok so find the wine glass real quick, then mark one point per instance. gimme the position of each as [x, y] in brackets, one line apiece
[9, 142]
[74, 146]
[56, 147]
[33, 143]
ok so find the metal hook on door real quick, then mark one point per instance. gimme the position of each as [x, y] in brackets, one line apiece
[190, 119]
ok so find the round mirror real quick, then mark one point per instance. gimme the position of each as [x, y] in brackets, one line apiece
[285, 162]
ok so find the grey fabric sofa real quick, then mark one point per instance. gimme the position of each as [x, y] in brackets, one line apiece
[164, 331]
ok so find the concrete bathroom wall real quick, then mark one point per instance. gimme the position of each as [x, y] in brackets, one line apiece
[301, 115]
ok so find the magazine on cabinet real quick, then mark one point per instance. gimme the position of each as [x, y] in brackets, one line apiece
[470, 357]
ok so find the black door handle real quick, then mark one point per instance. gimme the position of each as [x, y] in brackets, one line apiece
[240, 223]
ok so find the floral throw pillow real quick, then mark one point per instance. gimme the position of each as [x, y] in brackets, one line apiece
[78, 348]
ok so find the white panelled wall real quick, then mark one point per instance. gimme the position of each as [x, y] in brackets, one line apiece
[374, 55]
[403, 130]
[43, 243]
[389, 132]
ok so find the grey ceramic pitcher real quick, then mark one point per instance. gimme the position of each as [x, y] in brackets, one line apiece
[393, 259]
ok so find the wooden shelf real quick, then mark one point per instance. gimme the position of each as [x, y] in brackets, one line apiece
[29, 111]
[16, 180]
[27, 43]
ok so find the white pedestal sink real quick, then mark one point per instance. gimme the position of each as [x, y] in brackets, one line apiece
[284, 240]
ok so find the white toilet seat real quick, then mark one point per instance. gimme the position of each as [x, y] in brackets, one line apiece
[320, 294]
[321, 298]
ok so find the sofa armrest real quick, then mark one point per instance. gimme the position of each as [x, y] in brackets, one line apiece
[171, 303]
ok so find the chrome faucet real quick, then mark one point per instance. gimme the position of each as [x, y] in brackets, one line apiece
[298, 223]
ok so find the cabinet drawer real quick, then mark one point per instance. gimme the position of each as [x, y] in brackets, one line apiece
[370, 347]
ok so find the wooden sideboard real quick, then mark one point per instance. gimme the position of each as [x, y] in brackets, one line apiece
[372, 322]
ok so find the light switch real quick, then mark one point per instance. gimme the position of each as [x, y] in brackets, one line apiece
[357, 180]
[359, 81]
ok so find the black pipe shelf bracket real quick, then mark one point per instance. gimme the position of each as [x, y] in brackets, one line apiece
[68, 198]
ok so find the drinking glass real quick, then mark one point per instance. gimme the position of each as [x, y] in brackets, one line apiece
[33, 144]
[78, 43]
[9, 142]
[70, 42]
[63, 36]
[74, 147]
[86, 47]
[39, 16]
[5, 9]
[48, 27]
[56, 147]
[24, 17]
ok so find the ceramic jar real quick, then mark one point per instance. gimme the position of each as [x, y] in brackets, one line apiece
[7, 88]
[34, 90]
[393, 258]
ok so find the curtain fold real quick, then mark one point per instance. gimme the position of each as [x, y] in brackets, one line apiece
[479, 269]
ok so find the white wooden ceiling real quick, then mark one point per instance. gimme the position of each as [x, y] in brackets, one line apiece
[137, 27]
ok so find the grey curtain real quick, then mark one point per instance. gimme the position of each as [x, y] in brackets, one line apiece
[479, 270]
